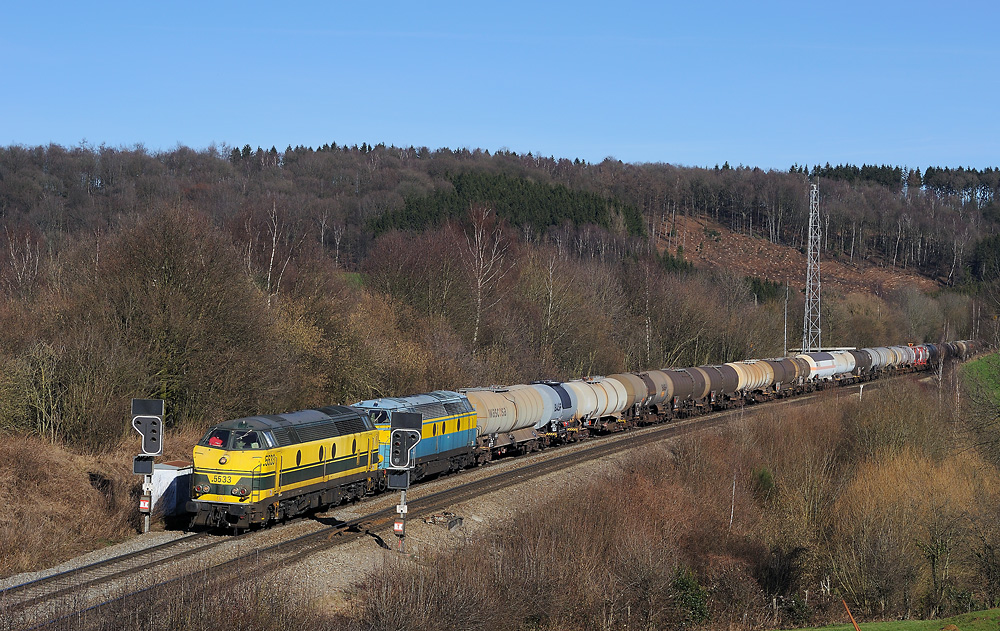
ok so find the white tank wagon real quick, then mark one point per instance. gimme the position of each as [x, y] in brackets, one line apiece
[586, 400]
[551, 405]
[844, 363]
[767, 370]
[530, 405]
[882, 357]
[897, 357]
[908, 356]
[566, 409]
[506, 417]
[560, 408]
[822, 366]
[753, 375]
[615, 398]
[601, 397]
[616, 393]
[495, 413]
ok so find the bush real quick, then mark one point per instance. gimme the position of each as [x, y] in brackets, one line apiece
[690, 598]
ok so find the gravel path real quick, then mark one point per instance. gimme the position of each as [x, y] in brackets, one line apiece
[326, 579]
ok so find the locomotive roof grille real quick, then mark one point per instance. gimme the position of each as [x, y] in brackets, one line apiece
[438, 397]
[458, 407]
[432, 405]
[317, 431]
[431, 410]
[284, 437]
[306, 425]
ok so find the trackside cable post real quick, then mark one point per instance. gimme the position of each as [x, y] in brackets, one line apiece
[399, 527]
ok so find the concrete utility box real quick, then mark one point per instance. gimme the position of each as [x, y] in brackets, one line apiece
[171, 487]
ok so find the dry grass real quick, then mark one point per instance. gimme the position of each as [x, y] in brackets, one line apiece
[59, 504]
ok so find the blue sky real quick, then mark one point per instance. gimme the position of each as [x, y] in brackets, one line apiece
[765, 84]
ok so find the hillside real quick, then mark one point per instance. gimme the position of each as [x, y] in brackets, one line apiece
[710, 245]
[234, 282]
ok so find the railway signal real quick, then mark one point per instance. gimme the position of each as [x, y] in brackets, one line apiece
[397, 480]
[401, 444]
[147, 419]
[142, 465]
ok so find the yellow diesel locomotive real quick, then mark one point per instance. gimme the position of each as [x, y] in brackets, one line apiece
[260, 469]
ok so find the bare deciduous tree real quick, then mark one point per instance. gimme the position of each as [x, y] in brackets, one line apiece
[275, 228]
[23, 260]
[268, 272]
[487, 263]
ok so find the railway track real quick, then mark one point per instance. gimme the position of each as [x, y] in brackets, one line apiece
[17, 599]
[145, 567]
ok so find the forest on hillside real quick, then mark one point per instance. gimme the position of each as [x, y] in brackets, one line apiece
[233, 282]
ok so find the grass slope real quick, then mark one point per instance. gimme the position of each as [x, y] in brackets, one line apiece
[984, 374]
[988, 620]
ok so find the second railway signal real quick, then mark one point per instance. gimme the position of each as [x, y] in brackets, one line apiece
[401, 444]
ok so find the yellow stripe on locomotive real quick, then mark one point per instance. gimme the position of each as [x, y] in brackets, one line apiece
[264, 468]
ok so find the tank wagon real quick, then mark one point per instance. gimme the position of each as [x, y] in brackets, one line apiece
[561, 423]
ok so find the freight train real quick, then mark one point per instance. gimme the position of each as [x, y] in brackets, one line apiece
[261, 469]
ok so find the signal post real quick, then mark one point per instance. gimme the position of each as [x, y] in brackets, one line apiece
[404, 434]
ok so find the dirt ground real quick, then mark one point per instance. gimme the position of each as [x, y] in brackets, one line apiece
[711, 246]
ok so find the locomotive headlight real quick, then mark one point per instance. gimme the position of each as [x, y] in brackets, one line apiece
[235, 491]
[224, 460]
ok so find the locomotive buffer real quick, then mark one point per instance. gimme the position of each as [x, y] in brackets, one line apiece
[404, 434]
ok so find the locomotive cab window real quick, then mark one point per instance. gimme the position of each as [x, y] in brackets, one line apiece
[216, 438]
[269, 441]
[248, 440]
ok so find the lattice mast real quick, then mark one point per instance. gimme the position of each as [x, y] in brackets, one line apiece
[811, 331]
